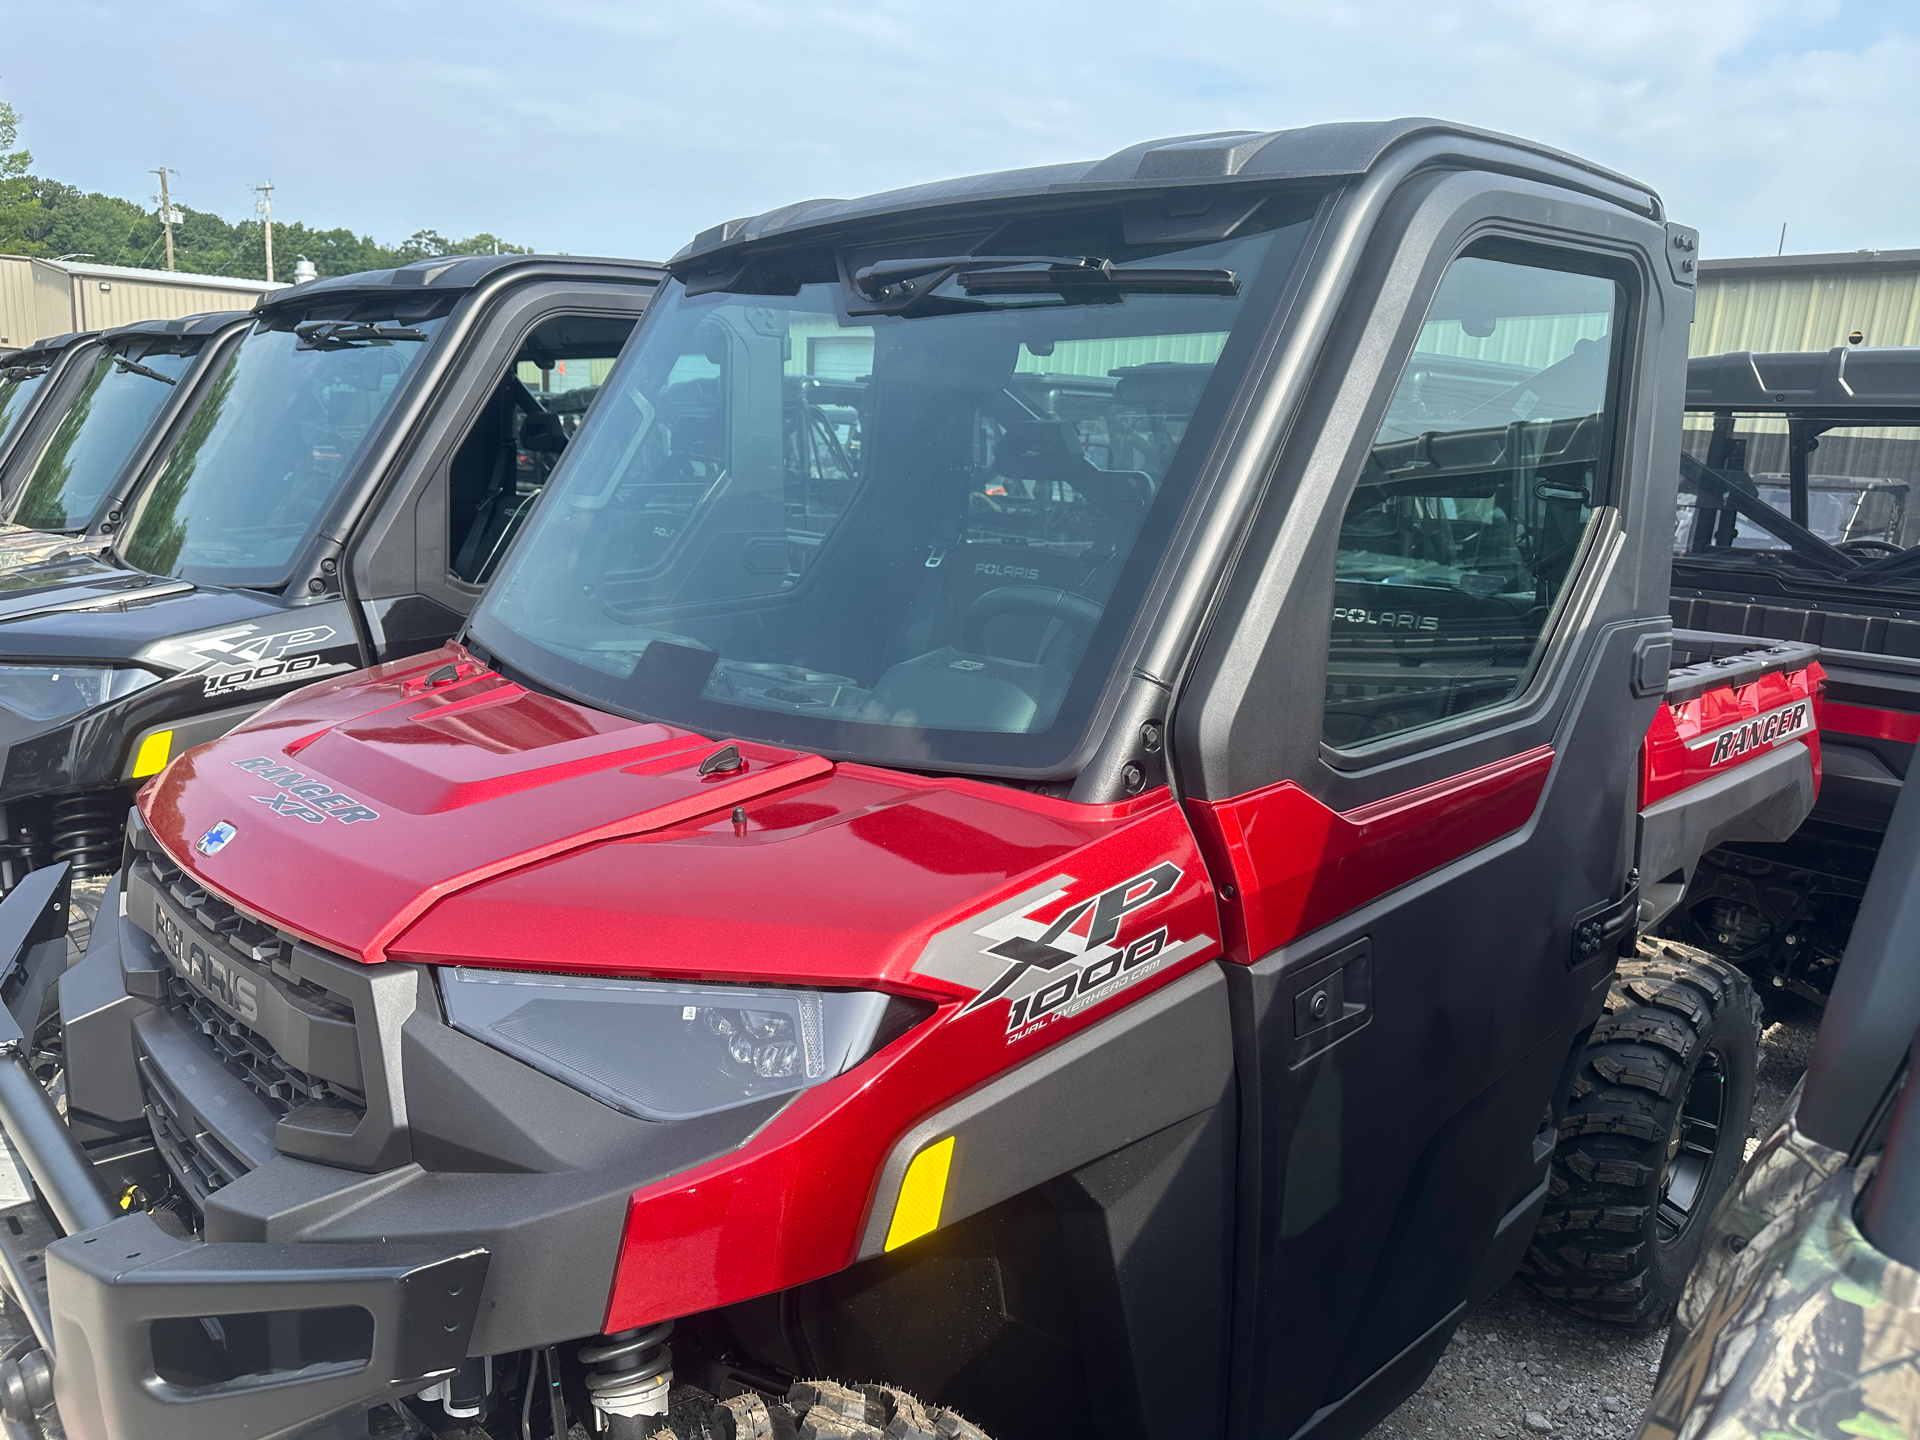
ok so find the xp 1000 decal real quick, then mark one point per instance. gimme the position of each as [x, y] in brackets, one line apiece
[1061, 947]
[239, 658]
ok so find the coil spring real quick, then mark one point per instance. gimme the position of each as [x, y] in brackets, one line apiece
[86, 833]
[630, 1371]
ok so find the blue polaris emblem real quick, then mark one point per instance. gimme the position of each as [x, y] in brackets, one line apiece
[215, 840]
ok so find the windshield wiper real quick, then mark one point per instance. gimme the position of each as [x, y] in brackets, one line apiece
[898, 285]
[134, 367]
[346, 334]
[16, 373]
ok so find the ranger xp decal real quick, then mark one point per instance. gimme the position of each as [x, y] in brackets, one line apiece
[302, 799]
[240, 657]
[1057, 949]
[1736, 740]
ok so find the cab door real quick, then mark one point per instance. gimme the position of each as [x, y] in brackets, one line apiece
[492, 435]
[1409, 750]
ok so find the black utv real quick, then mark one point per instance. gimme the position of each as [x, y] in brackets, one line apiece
[331, 494]
[65, 485]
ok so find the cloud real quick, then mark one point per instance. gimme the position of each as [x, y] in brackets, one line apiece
[622, 128]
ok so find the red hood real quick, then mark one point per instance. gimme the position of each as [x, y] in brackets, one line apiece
[472, 820]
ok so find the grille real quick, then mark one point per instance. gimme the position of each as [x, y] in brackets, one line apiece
[243, 935]
[251, 1058]
[202, 1162]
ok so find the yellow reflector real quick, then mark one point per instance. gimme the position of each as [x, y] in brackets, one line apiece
[917, 1211]
[154, 751]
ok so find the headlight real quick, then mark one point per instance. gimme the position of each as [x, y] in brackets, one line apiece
[50, 692]
[660, 1050]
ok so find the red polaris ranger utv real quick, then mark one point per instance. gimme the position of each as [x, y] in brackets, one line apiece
[1044, 818]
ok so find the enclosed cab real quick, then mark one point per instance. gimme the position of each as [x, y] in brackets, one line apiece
[1796, 524]
[1049, 814]
[24, 384]
[65, 486]
[331, 491]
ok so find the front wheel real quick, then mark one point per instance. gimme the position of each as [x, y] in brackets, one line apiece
[1654, 1132]
[813, 1410]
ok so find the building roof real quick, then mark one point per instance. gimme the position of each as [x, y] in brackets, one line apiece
[1219, 158]
[186, 278]
[1865, 262]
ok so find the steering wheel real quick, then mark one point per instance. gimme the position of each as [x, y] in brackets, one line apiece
[1869, 549]
[1044, 601]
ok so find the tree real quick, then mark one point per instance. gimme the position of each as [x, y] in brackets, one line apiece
[15, 197]
[46, 218]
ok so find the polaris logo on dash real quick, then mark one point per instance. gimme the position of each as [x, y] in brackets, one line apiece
[1776, 725]
[1385, 619]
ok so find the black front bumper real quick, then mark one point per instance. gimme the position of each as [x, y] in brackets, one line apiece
[459, 1203]
[179, 1339]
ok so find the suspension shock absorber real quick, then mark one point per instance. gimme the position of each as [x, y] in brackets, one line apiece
[86, 832]
[628, 1376]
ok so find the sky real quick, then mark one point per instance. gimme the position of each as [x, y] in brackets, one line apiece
[599, 127]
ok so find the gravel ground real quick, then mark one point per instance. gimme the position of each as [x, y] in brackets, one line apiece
[1518, 1366]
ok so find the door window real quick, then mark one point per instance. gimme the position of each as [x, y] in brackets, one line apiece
[503, 463]
[1475, 497]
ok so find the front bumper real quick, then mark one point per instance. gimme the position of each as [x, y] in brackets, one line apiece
[177, 1339]
[462, 1205]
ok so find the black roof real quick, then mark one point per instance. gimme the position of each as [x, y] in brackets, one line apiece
[447, 274]
[1219, 158]
[207, 323]
[1848, 379]
[41, 350]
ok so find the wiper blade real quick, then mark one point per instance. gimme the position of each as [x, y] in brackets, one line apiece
[1890, 567]
[15, 373]
[898, 285]
[134, 367]
[1091, 273]
[346, 334]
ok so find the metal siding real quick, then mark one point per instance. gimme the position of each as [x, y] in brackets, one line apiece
[1805, 312]
[131, 300]
[39, 298]
[52, 300]
[17, 317]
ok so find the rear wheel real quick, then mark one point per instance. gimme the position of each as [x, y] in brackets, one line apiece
[1654, 1132]
[814, 1410]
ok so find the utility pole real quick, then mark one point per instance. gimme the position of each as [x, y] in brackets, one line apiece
[166, 213]
[266, 211]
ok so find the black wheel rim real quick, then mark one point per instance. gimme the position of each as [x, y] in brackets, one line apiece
[1692, 1147]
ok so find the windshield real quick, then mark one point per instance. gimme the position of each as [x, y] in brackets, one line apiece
[1858, 482]
[256, 468]
[96, 437]
[16, 396]
[913, 536]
